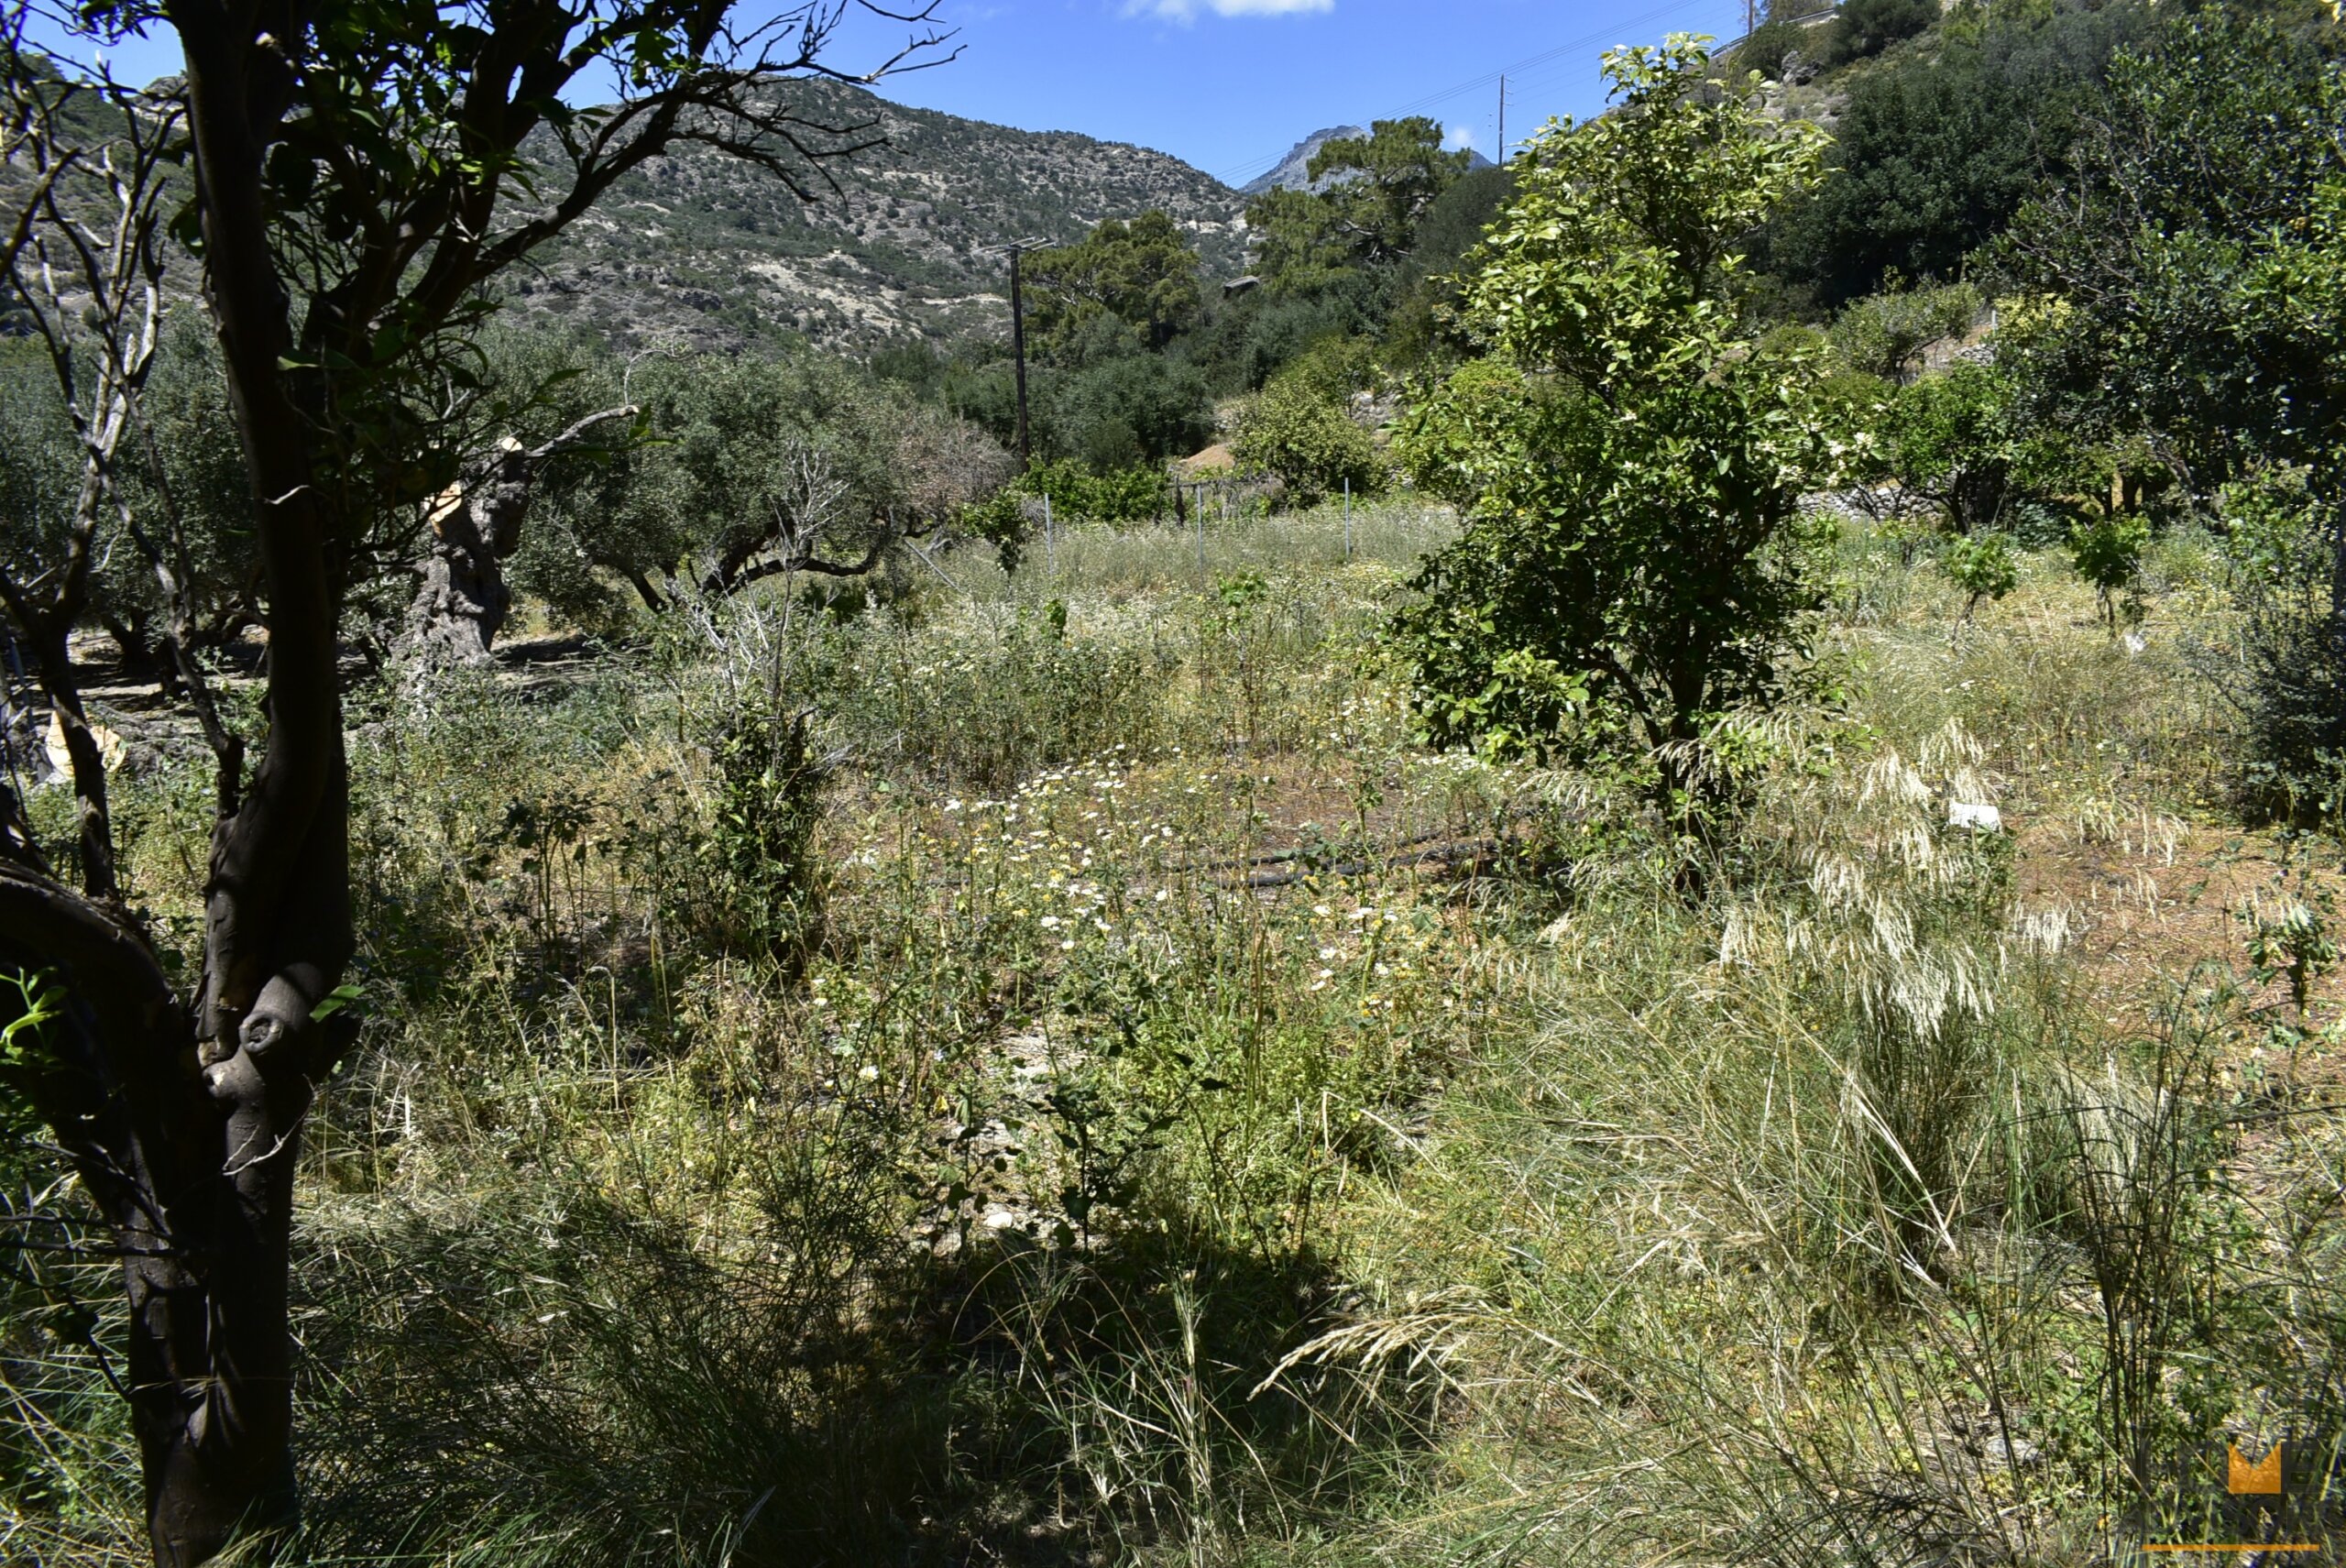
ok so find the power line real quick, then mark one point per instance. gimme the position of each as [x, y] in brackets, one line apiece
[1522, 67]
[1491, 77]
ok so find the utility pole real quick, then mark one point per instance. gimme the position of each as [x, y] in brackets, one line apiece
[1015, 249]
[1503, 117]
[1018, 357]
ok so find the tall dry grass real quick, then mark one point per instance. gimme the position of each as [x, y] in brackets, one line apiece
[1191, 1124]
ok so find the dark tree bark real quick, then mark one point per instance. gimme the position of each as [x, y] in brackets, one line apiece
[461, 602]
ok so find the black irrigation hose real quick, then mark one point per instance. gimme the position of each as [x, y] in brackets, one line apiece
[1447, 858]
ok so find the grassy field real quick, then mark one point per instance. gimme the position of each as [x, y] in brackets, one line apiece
[1051, 1074]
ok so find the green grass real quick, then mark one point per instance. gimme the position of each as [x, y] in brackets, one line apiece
[1150, 1155]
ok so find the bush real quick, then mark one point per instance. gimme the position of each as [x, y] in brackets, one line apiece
[2289, 679]
[1306, 440]
[760, 870]
[1078, 493]
[1866, 28]
[1936, 154]
[2109, 554]
[1140, 406]
[1765, 47]
[1333, 368]
[1881, 333]
[1982, 566]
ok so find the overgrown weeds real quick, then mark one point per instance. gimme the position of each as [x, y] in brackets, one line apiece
[1054, 1075]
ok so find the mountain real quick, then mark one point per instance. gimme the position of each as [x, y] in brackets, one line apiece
[1293, 173]
[708, 250]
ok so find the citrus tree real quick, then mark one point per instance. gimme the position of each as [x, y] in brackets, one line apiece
[1629, 568]
[1293, 431]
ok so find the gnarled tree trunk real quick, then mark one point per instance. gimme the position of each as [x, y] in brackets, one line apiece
[463, 601]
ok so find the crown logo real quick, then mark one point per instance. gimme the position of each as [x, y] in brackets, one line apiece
[2260, 1478]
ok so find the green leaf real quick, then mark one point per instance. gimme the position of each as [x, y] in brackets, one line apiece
[349, 994]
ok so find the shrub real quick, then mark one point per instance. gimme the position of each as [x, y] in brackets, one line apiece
[2289, 679]
[1982, 566]
[1881, 333]
[1457, 441]
[1936, 151]
[1866, 28]
[2109, 554]
[1079, 493]
[1307, 440]
[1333, 368]
[1765, 47]
[760, 865]
[1134, 407]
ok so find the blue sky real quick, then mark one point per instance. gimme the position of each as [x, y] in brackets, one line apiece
[1230, 84]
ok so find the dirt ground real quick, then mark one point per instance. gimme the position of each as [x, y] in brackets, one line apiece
[2152, 901]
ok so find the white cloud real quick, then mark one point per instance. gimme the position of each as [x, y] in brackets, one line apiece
[1460, 135]
[1187, 10]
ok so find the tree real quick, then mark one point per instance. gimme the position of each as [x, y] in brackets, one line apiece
[1935, 153]
[1627, 572]
[359, 176]
[83, 264]
[1143, 273]
[2189, 270]
[753, 468]
[1949, 440]
[1295, 244]
[475, 525]
[1367, 197]
[1982, 566]
[2107, 553]
[1961, 442]
[2197, 174]
[1294, 429]
[173, 573]
[1384, 183]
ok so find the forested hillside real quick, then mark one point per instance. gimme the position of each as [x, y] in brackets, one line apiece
[711, 252]
[1630, 860]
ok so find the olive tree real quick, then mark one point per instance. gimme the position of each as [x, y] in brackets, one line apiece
[1628, 569]
[359, 174]
[752, 469]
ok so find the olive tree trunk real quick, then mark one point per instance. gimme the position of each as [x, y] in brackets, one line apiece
[463, 601]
